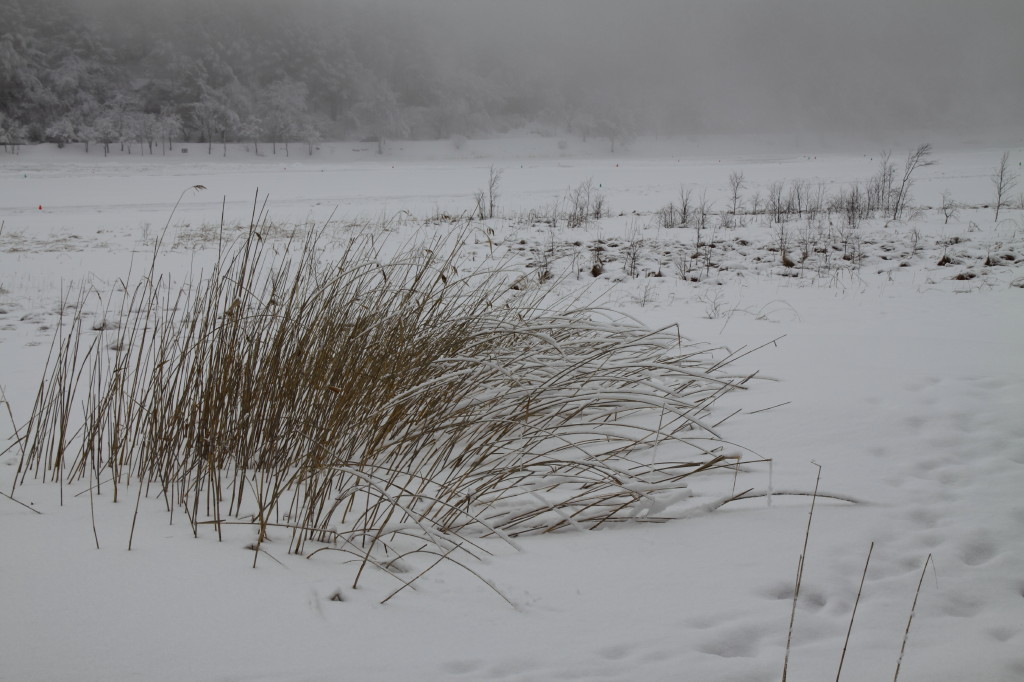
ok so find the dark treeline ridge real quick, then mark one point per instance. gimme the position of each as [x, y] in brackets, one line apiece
[147, 74]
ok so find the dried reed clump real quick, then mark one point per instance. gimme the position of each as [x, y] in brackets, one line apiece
[375, 405]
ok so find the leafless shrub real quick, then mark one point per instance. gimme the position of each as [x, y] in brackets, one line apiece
[598, 206]
[914, 236]
[1003, 180]
[916, 159]
[579, 202]
[729, 221]
[737, 184]
[493, 189]
[756, 205]
[816, 200]
[809, 236]
[799, 194]
[776, 206]
[685, 266]
[950, 208]
[714, 302]
[702, 212]
[480, 204]
[632, 252]
[666, 217]
[781, 236]
[685, 206]
[880, 189]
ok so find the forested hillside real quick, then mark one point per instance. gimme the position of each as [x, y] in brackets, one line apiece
[150, 73]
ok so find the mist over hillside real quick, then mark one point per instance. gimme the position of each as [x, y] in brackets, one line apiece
[276, 71]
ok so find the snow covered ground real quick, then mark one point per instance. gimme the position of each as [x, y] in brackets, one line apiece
[901, 378]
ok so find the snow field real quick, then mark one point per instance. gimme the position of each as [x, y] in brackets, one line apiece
[901, 382]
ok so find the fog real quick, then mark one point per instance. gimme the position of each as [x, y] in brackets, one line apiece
[438, 68]
[757, 65]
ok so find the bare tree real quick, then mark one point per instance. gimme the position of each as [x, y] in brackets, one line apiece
[799, 192]
[915, 159]
[755, 204]
[736, 185]
[776, 204]
[950, 207]
[703, 209]
[685, 211]
[378, 110]
[880, 190]
[1004, 181]
[480, 200]
[493, 186]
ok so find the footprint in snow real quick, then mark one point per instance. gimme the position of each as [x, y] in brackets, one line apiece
[733, 642]
[978, 550]
[615, 652]
[925, 516]
[1002, 633]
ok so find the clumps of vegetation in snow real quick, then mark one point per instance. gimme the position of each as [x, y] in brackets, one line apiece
[375, 405]
[802, 230]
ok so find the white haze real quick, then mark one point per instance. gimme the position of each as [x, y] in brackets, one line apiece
[756, 65]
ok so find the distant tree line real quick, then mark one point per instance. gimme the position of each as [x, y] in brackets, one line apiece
[142, 76]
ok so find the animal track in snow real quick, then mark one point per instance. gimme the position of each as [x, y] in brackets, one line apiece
[925, 516]
[811, 599]
[733, 642]
[978, 550]
[1002, 633]
[915, 422]
[961, 606]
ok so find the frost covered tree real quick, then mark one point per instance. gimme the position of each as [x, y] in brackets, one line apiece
[12, 133]
[105, 130]
[377, 113]
[121, 113]
[310, 133]
[170, 126]
[251, 129]
[283, 107]
[149, 129]
[614, 121]
[215, 116]
[62, 131]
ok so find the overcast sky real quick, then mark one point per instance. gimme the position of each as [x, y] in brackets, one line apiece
[864, 66]
[763, 64]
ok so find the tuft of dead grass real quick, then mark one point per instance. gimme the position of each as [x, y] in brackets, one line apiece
[377, 406]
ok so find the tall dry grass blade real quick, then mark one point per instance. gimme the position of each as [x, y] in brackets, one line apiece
[853, 613]
[800, 575]
[913, 610]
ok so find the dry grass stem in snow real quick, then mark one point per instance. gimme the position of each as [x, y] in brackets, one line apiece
[377, 406]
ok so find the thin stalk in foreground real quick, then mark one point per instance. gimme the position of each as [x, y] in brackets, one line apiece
[853, 615]
[913, 609]
[800, 575]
